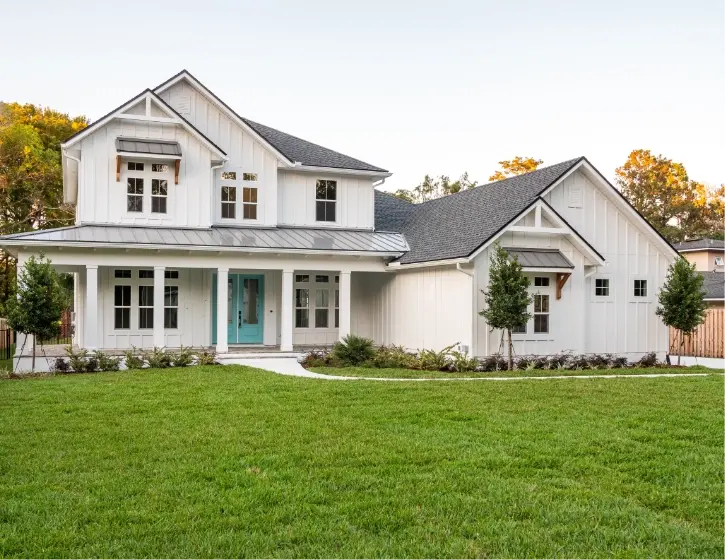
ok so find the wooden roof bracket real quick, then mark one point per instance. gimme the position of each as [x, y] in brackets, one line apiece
[177, 164]
[561, 278]
[118, 168]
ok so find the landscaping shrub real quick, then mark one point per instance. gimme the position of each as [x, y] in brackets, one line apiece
[60, 365]
[598, 361]
[158, 358]
[460, 361]
[77, 360]
[435, 361]
[91, 364]
[579, 362]
[394, 357]
[648, 360]
[353, 350]
[183, 358]
[206, 358]
[558, 361]
[494, 362]
[619, 362]
[132, 359]
[106, 362]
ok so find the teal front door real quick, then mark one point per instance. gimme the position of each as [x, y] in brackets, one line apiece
[245, 305]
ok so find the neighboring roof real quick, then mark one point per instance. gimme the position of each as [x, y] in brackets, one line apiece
[700, 245]
[143, 146]
[456, 225]
[714, 285]
[216, 238]
[291, 147]
[307, 153]
[540, 258]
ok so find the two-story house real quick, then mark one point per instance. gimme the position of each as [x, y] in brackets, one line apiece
[197, 226]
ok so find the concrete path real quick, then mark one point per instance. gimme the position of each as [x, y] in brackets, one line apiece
[290, 366]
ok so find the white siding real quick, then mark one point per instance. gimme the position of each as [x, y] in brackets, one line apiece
[245, 153]
[102, 199]
[355, 199]
[619, 324]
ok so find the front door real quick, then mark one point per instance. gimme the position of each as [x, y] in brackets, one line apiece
[245, 304]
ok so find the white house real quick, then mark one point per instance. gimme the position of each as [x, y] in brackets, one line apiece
[199, 227]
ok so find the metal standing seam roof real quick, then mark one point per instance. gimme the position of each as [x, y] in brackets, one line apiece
[540, 258]
[143, 146]
[221, 237]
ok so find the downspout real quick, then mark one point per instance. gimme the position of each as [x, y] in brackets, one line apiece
[472, 275]
[78, 185]
[213, 169]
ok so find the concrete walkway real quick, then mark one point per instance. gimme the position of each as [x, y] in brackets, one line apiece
[290, 366]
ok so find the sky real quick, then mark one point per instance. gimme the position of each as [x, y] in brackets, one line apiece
[414, 87]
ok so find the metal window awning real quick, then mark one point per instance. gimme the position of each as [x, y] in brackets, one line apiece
[541, 259]
[142, 146]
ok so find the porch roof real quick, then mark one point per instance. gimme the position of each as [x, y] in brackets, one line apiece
[216, 238]
[540, 258]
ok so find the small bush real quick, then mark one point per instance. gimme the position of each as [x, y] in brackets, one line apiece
[558, 361]
[494, 362]
[106, 362]
[158, 358]
[132, 359]
[394, 357]
[598, 361]
[60, 365]
[431, 360]
[77, 360]
[619, 362]
[353, 350]
[648, 360]
[206, 358]
[183, 358]
[315, 358]
[579, 362]
[460, 361]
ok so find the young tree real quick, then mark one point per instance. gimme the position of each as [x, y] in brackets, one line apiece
[507, 298]
[40, 301]
[517, 166]
[682, 299]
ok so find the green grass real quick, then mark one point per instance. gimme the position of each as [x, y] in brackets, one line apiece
[7, 365]
[230, 462]
[396, 373]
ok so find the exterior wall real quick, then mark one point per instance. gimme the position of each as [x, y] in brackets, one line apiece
[427, 308]
[704, 260]
[102, 199]
[245, 153]
[619, 323]
[355, 200]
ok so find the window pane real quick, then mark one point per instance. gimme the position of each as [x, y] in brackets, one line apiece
[146, 318]
[519, 329]
[320, 211]
[158, 205]
[171, 274]
[229, 211]
[541, 304]
[171, 296]
[134, 186]
[321, 318]
[302, 278]
[135, 204]
[331, 190]
[122, 273]
[145, 273]
[249, 194]
[541, 281]
[321, 190]
[541, 323]
[302, 298]
[159, 187]
[249, 176]
[171, 318]
[302, 318]
[146, 296]
[322, 278]
[159, 167]
[122, 318]
[337, 318]
[322, 298]
[250, 301]
[337, 298]
[229, 175]
[250, 211]
[229, 194]
[330, 211]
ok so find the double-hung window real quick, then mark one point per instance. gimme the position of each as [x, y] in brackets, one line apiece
[139, 177]
[122, 307]
[326, 200]
[322, 302]
[541, 313]
[229, 203]
[146, 301]
[159, 195]
[171, 307]
[134, 194]
[249, 203]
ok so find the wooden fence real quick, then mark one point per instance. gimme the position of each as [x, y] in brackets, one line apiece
[706, 342]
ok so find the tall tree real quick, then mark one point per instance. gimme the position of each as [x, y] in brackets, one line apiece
[660, 189]
[435, 187]
[517, 166]
[507, 298]
[682, 299]
[31, 183]
[40, 301]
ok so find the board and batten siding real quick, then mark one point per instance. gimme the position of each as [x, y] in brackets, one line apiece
[619, 324]
[244, 151]
[426, 308]
[102, 199]
[297, 196]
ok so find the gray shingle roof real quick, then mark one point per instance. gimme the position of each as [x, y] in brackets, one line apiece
[456, 225]
[220, 237]
[714, 284]
[540, 258]
[307, 153]
[700, 244]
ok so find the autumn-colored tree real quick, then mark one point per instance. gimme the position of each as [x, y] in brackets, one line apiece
[517, 166]
[31, 183]
[435, 187]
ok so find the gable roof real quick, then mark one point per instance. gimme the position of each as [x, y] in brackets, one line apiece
[455, 226]
[714, 285]
[291, 148]
[700, 245]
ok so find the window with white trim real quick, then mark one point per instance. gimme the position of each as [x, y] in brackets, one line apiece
[171, 307]
[325, 200]
[541, 281]
[302, 308]
[145, 307]
[640, 288]
[519, 329]
[601, 287]
[719, 261]
[322, 308]
[159, 195]
[541, 313]
[249, 203]
[122, 306]
[134, 194]
[249, 176]
[229, 202]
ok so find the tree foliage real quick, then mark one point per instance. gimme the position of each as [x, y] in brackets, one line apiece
[39, 302]
[435, 187]
[517, 166]
[31, 182]
[507, 298]
[682, 298]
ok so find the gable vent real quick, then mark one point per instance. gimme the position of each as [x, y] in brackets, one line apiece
[182, 104]
[575, 196]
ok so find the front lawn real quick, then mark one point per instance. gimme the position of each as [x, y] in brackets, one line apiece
[397, 373]
[229, 461]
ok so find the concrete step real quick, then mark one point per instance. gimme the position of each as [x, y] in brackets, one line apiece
[256, 355]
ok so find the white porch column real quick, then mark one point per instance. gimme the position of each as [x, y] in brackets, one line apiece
[287, 312]
[159, 273]
[344, 329]
[91, 319]
[222, 277]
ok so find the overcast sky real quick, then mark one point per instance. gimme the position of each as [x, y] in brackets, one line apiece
[415, 87]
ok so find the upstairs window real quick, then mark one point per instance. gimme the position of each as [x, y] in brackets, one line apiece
[159, 195]
[229, 203]
[601, 287]
[135, 166]
[640, 288]
[249, 203]
[249, 176]
[325, 200]
[541, 282]
[134, 193]
[541, 313]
